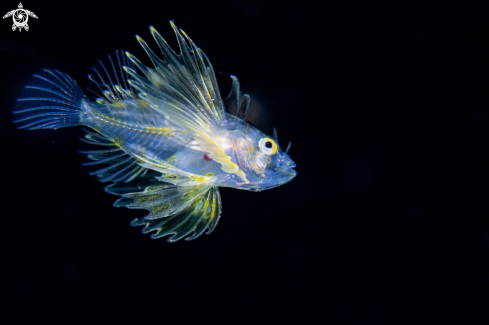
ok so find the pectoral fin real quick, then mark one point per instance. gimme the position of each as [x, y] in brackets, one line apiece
[176, 211]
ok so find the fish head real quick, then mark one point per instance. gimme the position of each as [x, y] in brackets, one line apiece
[266, 165]
[278, 171]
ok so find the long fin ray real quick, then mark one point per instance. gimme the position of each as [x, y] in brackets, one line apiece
[175, 211]
[130, 175]
[105, 160]
[110, 85]
[176, 71]
[182, 87]
[172, 98]
[49, 91]
[113, 177]
[110, 154]
[171, 60]
[141, 180]
[168, 69]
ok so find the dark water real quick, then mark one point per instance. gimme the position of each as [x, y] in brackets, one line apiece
[386, 223]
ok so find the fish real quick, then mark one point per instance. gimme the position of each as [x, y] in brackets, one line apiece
[162, 137]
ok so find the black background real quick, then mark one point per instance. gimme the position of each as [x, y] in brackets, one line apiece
[386, 223]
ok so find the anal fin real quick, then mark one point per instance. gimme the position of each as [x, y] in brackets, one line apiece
[121, 166]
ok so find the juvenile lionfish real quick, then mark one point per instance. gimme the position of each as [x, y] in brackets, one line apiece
[167, 136]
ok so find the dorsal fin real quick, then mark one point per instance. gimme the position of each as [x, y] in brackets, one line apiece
[109, 80]
[237, 103]
[183, 88]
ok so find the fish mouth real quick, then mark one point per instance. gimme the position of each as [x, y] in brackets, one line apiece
[282, 176]
[286, 168]
[287, 173]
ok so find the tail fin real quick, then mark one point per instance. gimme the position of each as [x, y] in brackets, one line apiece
[51, 100]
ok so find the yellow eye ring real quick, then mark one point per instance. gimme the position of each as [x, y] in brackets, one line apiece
[268, 146]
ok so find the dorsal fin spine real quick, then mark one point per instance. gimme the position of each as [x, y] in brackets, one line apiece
[110, 89]
[108, 76]
[121, 65]
[115, 72]
[182, 87]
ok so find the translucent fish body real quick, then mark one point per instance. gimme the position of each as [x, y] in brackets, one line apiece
[163, 136]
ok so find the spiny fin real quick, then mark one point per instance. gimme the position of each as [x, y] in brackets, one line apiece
[236, 103]
[109, 85]
[122, 166]
[183, 88]
[176, 211]
[139, 184]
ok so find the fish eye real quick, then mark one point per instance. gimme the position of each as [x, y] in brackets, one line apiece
[268, 146]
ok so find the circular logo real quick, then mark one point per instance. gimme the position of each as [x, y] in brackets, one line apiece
[20, 18]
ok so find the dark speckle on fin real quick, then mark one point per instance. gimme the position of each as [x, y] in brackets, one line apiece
[177, 212]
[237, 103]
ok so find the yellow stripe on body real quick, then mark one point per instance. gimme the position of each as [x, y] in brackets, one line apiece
[217, 154]
[215, 151]
[129, 126]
